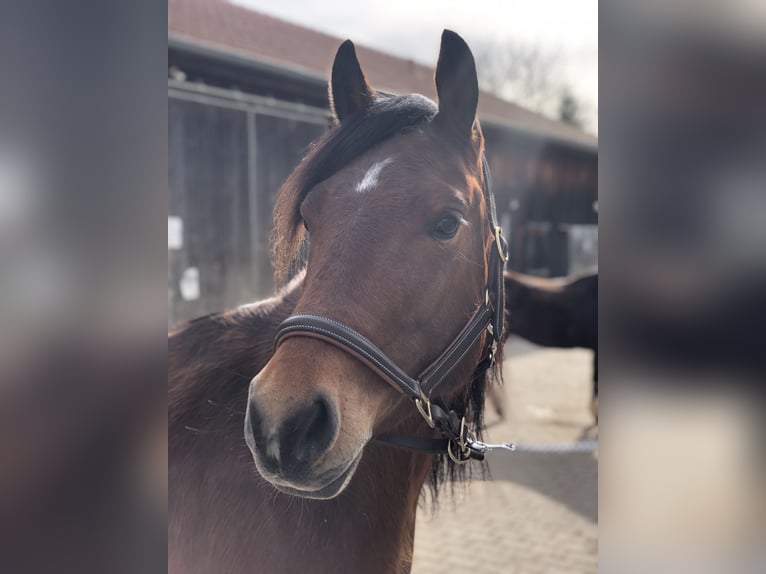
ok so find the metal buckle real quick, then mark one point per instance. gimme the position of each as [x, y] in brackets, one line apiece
[492, 351]
[498, 236]
[464, 438]
[463, 458]
[425, 412]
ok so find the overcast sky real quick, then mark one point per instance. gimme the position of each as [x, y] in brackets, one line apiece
[412, 28]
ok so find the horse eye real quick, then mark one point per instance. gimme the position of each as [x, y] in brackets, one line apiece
[446, 227]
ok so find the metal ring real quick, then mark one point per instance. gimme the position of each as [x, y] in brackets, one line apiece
[456, 459]
[500, 250]
[462, 435]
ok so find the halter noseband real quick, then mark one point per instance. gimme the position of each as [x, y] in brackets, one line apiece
[458, 442]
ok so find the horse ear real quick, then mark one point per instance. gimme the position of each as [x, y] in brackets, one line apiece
[457, 84]
[349, 90]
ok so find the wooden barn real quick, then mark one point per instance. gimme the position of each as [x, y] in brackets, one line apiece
[247, 93]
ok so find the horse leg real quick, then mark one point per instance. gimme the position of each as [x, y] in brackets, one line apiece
[594, 398]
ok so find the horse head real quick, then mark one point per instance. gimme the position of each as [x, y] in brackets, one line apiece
[391, 199]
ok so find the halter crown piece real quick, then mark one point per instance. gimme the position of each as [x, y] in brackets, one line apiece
[458, 441]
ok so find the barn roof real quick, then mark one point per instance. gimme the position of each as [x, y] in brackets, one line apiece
[219, 26]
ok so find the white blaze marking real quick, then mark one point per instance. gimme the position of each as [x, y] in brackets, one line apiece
[370, 178]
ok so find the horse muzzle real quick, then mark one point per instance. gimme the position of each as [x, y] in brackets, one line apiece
[292, 451]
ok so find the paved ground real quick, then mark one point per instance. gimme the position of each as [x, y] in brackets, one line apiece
[537, 512]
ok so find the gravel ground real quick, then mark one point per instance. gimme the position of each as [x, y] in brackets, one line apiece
[537, 511]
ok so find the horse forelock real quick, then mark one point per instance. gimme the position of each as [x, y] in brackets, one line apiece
[385, 118]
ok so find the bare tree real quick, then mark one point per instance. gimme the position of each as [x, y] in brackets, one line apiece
[569, 108]
[524, 73]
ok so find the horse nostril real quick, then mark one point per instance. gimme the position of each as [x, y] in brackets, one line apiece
[254, 433]
[308, 433]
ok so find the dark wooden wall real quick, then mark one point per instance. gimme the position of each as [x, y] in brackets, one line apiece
[208, 189]
[542, 188]
[222, 185]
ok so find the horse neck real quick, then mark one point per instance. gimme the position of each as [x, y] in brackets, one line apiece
[381, 504]
[368, 528]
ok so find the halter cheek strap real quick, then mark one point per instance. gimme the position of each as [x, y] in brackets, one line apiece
[458, 442]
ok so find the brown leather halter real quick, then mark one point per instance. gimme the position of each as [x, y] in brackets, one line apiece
[458, 442]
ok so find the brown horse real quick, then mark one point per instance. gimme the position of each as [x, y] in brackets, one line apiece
[399, 251]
